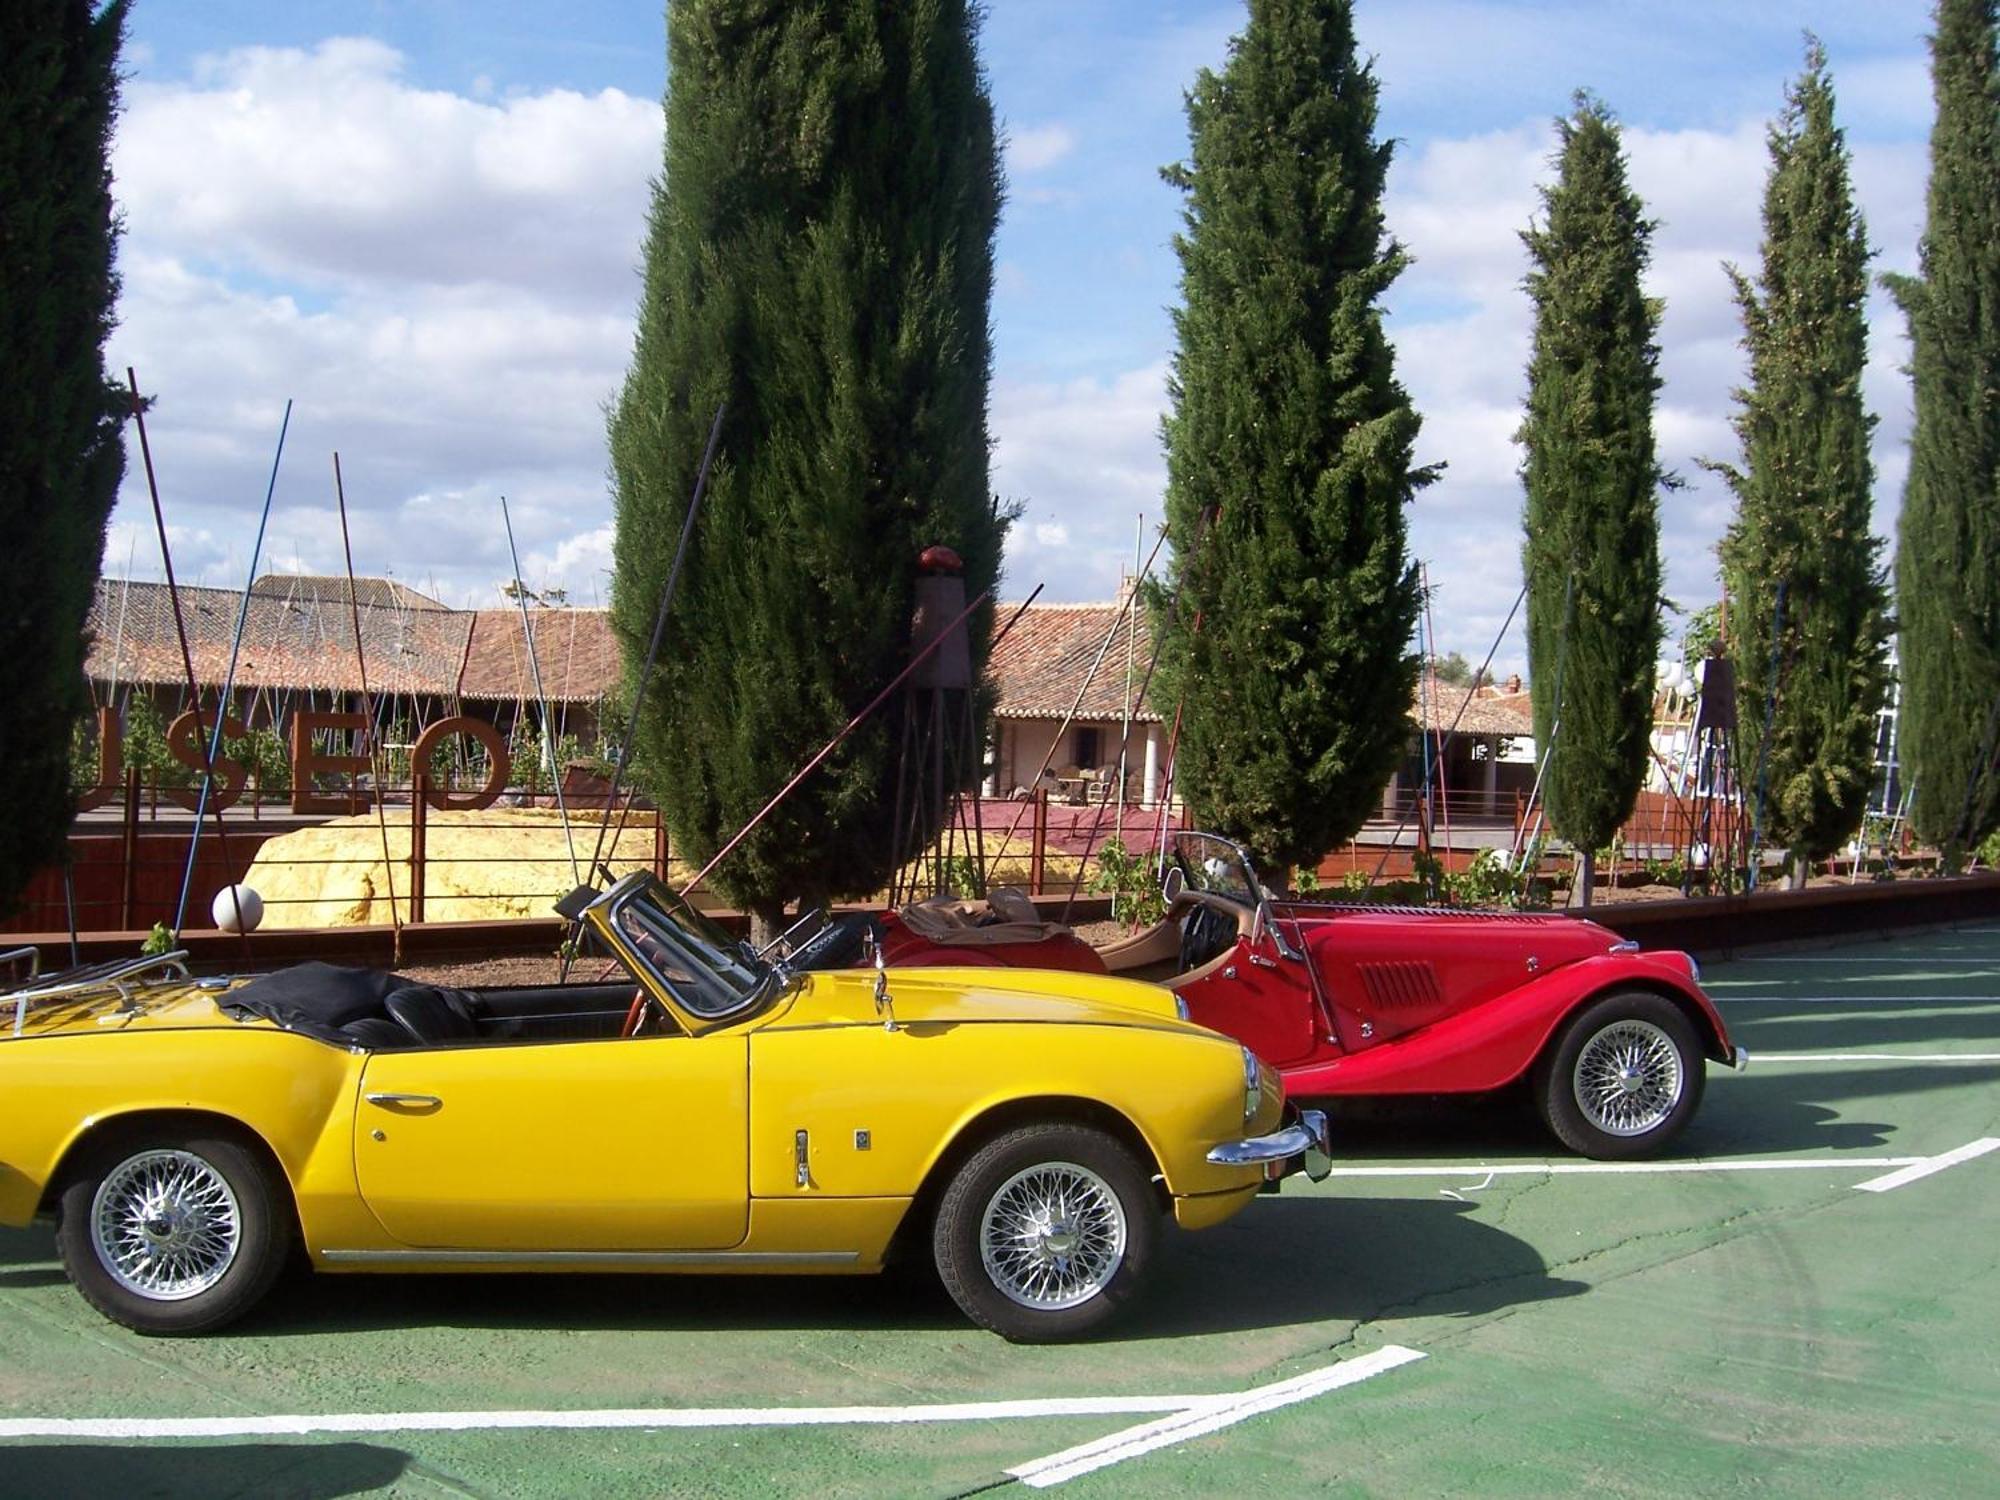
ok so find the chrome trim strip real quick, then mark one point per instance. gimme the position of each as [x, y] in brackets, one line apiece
[596, 1257]
[1293, 1140]
[1307, 1138]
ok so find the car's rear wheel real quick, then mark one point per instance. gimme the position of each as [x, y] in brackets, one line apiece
[1045, 1232]
[1623, 1078]
[174, 1234]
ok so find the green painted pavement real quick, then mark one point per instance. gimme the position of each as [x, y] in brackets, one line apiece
[1713, 1332]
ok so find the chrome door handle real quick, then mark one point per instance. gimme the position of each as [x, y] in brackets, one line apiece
[405, 1101]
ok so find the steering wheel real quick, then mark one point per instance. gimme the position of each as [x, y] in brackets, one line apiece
[1197, 944]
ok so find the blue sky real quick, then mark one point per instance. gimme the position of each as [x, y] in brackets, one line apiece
[422, 221]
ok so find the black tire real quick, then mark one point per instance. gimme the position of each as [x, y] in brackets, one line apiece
[1637, 1057]
[232, 1228]
[1118, 1224]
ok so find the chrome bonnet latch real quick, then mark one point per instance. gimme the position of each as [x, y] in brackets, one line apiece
[884, 1006]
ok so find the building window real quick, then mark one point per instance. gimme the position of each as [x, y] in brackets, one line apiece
[1086, 748]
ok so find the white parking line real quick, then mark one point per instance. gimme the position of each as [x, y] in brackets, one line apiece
[642, 1417]
[1632, 1168]
[1230, 1406]
[1088, 1457]
[1906, 961]
[1841, 999]
[1761, 1058]
[1928, 1166]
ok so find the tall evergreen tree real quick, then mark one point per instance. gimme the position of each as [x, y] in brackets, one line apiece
[1803, 574]
[61, 457]
[820, 254]
[1948, 540]
[1288, 447]
[1592, 556]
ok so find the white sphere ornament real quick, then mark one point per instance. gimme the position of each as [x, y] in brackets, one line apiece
[234, 898]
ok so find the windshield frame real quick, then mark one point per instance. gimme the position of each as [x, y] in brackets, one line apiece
[717, 979]
[1197, 863]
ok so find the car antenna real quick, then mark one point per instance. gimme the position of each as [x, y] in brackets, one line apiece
[549, 746]
[646, 675]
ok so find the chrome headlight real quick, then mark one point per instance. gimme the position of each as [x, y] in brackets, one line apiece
[1694, 969]
[1253, 1085]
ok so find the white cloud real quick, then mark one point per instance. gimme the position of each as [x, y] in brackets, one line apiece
[1462, 325]
[445, 287]
[1038, 147]
[1083, 458]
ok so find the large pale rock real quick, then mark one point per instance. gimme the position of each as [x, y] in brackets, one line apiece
[479, 866]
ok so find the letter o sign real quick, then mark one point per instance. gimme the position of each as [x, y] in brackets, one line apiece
[498, 764]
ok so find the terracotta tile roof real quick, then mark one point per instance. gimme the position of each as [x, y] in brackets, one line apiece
[575, 649]
[383, 591]
[302, 641]
[1490, 710]
[1046, 658]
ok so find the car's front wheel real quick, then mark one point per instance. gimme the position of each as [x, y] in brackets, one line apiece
[1045, 1232]
[1623, 1078]
[174, 1235]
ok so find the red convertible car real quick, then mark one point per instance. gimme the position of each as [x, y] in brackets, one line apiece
[1357, 1000]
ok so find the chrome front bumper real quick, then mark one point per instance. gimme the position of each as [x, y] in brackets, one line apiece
[1301, 1146]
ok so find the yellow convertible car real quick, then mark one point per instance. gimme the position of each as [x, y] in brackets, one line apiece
[712, 1112]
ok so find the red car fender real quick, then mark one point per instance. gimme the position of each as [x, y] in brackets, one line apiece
[1493, 1044]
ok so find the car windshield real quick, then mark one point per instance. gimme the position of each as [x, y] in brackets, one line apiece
[1216, 866]
[708, 971]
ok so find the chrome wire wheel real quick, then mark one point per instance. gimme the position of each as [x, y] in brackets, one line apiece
[1052, 1236]
[165, 1225]
[1628, 1078]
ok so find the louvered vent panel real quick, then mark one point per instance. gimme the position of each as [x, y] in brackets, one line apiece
[1394, 984]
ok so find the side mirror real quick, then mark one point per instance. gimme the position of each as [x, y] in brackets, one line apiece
[1173, 885]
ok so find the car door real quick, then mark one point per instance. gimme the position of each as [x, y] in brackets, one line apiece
[1257, 997]
[626, 1144]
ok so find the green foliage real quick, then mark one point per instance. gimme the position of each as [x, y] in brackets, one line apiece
[83, 753]
[1490, 881]
[1988, 852]
[1305, 880]
[61, 459]
[1592, 552]
[820, 255]
[1288, 447]
[1454, 670]
[1807, 594]
[1700, 636]
[962, 877]
[265, 750]
[1671, 871]
[145, 741]
[529, 755]
[1948, 541]
[159, 940]
[1134, 883]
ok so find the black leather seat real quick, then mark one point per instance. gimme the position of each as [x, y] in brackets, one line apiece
[432, 1014]
[375, 1033]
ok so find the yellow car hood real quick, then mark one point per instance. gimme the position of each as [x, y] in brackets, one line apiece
[957, 996]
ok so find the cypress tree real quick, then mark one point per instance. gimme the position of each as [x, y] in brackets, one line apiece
[1803, 574]
[1288, 447]
[1948, 540]
[1592, 555]
[820, 255]
[61, 458]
